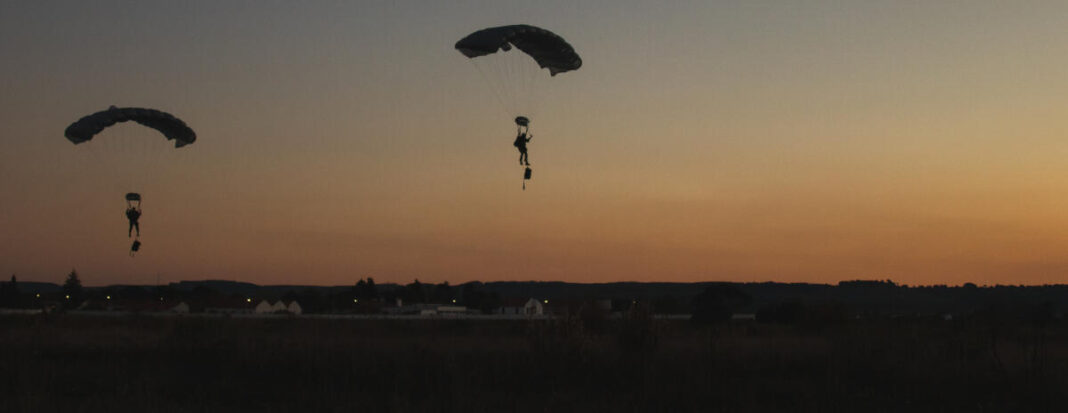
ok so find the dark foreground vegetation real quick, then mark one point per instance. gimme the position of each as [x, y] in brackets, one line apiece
[75, 363]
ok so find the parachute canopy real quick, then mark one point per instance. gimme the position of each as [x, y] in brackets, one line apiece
[133, 196]
[548, 49]
[522, 121]
[171, 127]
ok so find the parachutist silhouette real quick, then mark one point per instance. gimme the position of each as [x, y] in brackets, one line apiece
[132, 214]
[521, 143]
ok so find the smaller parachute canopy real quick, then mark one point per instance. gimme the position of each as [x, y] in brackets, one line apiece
[522, 121]
[548, 49]
[171, 127]
[133, 196]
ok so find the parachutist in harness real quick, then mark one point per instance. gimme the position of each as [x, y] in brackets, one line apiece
[521, 144]
[521, 139]
[133, 213]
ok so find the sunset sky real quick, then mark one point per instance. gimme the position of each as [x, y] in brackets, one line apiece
[817, 141]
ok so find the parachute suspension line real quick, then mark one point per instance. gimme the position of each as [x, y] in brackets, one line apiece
[493, 87]
[528, 77]
[510, 60]
[501, 66]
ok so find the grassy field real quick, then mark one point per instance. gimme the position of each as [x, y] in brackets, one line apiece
[74, 363]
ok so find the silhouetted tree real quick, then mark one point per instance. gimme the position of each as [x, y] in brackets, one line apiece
[365, 289]
[473, 296]
[372, 291]
[360, 289]
[9, 293]
[718, 302]
[72, 290]
[443, 293]
[203, 292]
[414, 293]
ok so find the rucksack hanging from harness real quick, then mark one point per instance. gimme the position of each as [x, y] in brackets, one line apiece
[526, 177]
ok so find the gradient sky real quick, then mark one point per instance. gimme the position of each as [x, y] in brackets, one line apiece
[920, 141]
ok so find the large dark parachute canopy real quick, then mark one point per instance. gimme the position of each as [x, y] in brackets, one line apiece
[548, 49]
[171, 127]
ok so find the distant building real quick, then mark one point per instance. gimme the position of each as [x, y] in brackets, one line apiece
[511, 306]
[527, 307]
[533, 307]
[279, 307]
[181, 308]
[264, 307]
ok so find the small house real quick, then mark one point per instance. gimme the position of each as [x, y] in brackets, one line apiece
[264, 307]
[181, 308]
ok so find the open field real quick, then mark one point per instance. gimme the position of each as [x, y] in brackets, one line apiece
[134, 363]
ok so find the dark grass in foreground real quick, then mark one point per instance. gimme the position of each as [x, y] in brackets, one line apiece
[75, 363]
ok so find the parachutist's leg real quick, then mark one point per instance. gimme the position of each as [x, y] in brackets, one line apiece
[129, 232]
[138, 226]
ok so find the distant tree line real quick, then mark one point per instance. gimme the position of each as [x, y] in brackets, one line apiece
[714, 303]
